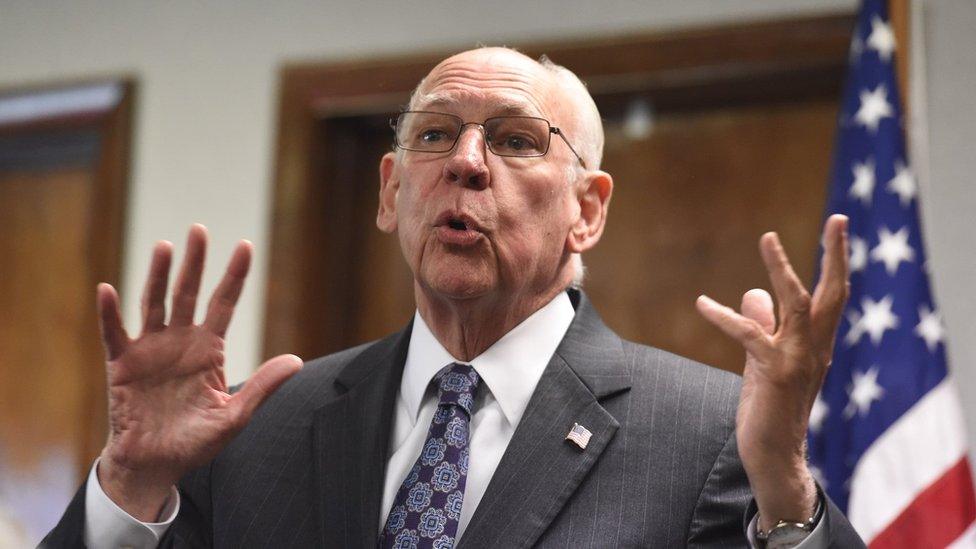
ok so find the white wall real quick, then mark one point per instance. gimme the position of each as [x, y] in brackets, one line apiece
[208, 80]
[948, 185]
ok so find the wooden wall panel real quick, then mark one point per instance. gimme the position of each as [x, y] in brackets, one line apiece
[690, 202]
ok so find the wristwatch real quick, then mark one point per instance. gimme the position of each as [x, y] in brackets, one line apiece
[785, 534]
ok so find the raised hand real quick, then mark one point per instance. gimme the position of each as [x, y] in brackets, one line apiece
[785, 368]
[169, 409]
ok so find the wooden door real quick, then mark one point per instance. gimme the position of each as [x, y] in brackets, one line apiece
[690, 202]
[61, 199]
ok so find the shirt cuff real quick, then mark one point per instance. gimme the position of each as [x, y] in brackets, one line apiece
[816, 539]
[108, 525]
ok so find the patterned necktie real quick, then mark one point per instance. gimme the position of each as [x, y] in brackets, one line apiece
[427, 507]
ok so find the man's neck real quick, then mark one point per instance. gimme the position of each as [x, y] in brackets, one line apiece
[467, 327]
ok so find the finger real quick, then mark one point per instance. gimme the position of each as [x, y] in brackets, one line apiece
[262, 384]
[154, 293]
[794, 300]
[831, 292]
[225, 297]
[188, 283]
[114, 336]
[757, 305]
[746, 331]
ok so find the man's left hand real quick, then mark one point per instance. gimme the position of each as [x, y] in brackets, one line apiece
[784, 370]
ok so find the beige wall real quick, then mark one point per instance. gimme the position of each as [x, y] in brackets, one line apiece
[208, 79]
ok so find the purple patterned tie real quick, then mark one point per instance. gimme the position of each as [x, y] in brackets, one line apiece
[427, 507]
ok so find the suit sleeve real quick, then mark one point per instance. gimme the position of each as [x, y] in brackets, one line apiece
[722, 503]
[70, 530]
[725, 508]
[192, 527]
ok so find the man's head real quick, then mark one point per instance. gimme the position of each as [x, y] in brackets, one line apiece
[476, 225]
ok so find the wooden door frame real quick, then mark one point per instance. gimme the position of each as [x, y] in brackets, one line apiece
[106, 220]
[687, 69]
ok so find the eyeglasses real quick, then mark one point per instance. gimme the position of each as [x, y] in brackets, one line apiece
[436, 132]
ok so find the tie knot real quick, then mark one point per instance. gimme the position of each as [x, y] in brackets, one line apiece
[457, 385]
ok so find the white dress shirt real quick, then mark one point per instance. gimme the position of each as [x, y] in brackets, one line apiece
[510, 370]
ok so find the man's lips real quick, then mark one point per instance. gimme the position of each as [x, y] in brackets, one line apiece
[457, 229]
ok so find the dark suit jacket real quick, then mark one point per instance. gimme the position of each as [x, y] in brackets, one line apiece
[661, 469]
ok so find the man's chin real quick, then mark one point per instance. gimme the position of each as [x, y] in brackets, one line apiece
[457, 285]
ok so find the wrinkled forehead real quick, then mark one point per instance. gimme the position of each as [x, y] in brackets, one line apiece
[489, 82]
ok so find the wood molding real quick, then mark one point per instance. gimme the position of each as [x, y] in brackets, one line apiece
[104, 228]
[107, 238]
[900, 18]
[686, 69]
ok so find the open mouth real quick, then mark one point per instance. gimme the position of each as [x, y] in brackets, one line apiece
[458, 229]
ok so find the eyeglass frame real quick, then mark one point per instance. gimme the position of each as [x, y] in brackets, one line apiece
[552, 130]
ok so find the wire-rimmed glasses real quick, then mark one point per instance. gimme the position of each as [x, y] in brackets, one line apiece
[437, 132]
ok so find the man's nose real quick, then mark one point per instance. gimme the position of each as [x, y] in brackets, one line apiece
[466, 165]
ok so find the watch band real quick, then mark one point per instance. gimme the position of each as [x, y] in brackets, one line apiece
[785, 534]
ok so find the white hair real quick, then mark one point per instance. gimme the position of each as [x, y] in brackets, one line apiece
[587, 135]
[579, 272]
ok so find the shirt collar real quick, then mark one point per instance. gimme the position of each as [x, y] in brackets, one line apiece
[510, 368]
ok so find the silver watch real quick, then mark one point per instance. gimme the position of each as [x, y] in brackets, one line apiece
[785, 534]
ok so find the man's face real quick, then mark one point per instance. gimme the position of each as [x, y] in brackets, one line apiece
[474, 224]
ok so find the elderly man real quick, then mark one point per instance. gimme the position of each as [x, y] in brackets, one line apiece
[506, 414]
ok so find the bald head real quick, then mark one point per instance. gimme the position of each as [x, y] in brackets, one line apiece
[578, 116]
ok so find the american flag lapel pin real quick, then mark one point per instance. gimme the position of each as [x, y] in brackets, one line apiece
[579, 435]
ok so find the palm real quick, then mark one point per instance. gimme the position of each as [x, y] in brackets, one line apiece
[167, 397]
[169, 409]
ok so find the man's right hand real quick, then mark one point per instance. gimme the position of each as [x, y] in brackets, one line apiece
[169, 409]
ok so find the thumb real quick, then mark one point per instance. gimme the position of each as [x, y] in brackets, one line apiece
[757, 305]
[262, 384]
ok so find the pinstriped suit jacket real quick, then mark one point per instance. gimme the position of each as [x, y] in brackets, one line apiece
[661, 469]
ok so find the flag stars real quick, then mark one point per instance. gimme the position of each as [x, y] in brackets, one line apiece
[863, 186]
[892, 249]
[874, 107]
[881, 39]
[876, 319]
[903, 184]
[863, 391]
[818, 413]
[859, 254]
[930, 328]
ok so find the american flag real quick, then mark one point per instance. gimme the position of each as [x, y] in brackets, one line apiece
[887, 439]
[579, 435]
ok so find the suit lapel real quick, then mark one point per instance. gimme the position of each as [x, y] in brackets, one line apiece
[350, 435]
[541, 470]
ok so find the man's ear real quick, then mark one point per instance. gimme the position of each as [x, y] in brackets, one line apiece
[386, 218]
[594, 194]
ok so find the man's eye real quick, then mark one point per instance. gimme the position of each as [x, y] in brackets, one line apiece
[433, 136]
[516, 143]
